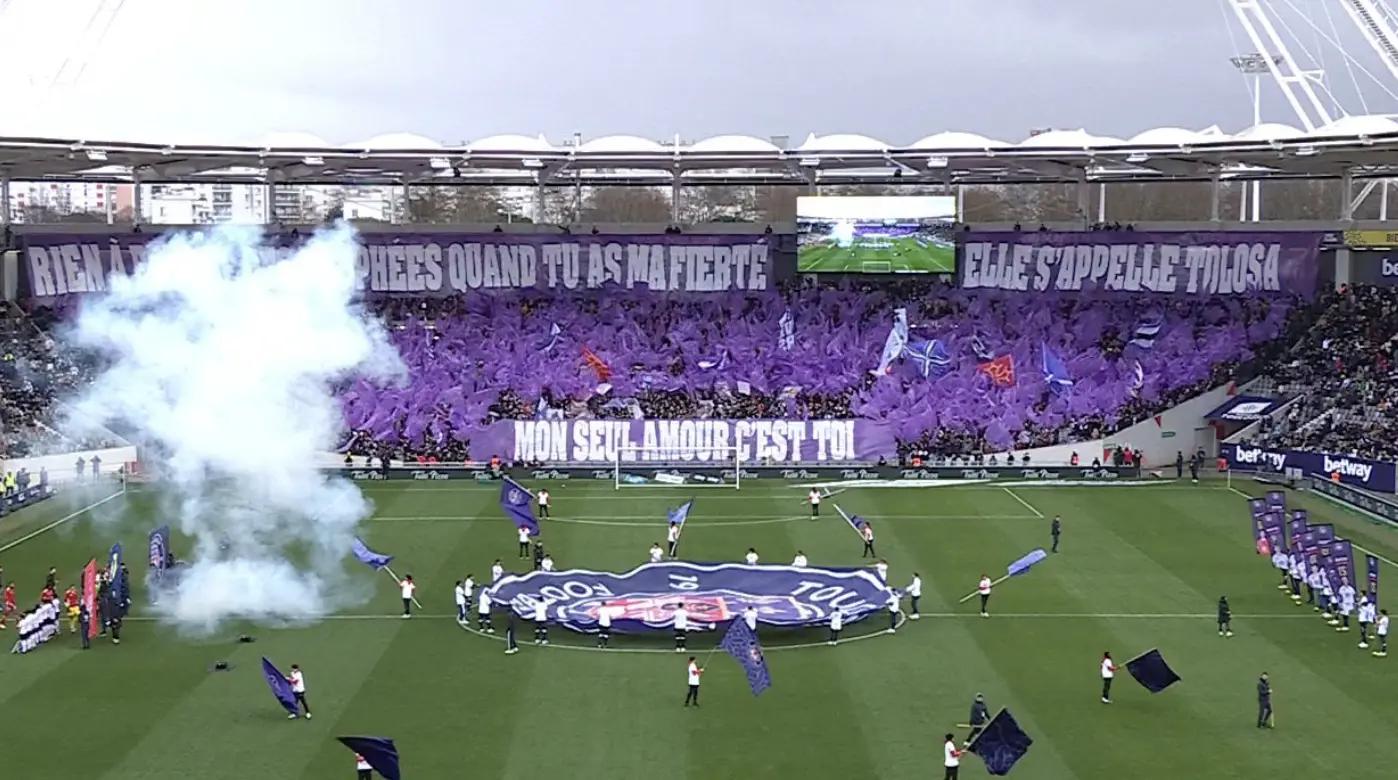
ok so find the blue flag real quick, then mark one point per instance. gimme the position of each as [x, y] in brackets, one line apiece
[514, 499]
[1023, 564]
[1151, 671]
[741, 643]
[380, 752]
[678, 516]
[1001, 743]
[368, 557]
[1056, 372]
[930, 358]
[280, 687]
[160, 549]
[114, 561]
[856, 522]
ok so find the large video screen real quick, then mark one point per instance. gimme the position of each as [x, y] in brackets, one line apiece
[876, 234]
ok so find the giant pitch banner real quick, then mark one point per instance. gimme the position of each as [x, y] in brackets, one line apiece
[1182, 263]
[645, 598]
[686, 441]
[54, 265]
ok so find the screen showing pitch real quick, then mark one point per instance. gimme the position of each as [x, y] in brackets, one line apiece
[876, 234]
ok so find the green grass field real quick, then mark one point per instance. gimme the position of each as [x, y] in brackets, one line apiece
[1140, 567]
[903, 255]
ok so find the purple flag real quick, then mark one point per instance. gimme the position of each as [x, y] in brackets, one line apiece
[279, 685]
[1372, 564]
[1342, 562]
[1276, 500]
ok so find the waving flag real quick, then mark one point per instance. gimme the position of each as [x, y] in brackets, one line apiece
[1024, 564]
[514, 499]
[555, 333]
[368, 557]
[1138, 379]
[1056, 372]
[90, 598]
[379, 752]
[930, 358]
[114, 561]
[856, 522]
[1001, 743]
[679, 515]
[160, 549]
[715, 364]
[741, 643]
[786, 339]
[604, 371]
[1001, 370]
[1151, 671]
[1146, 333]
[894, 344]
[279, 685]
[980, 350]
[1371, 565]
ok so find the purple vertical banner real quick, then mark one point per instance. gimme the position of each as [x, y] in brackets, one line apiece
[1308, 544]
[1342, 561]
[1324, 533]
[1274, 526]
[1297, 527]
[1372, 564]
[1276, 500]
[1258, 506]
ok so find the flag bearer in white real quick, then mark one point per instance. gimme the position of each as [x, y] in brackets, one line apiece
[365, 772]
[1108, 672]
[951, 759]
[407, 586]
[1279, 561]
[298, 687]
[814, 498]
[543, 497]
[694, 671]
[524, 543]
[983, 588]
[672, 537]
[914, 593]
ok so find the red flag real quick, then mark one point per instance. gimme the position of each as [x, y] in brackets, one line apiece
[604, 371]
[1001, 370]
[90, 598]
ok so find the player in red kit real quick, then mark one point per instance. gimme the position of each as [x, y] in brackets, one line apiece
[70, 607]
[9, 605]
[48, 596]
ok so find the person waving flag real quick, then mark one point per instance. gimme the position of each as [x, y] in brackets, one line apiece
[677, 517]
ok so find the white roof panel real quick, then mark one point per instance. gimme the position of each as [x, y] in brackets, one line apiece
[390, 141]
[842, 142]
[734, 143]
[510, 142]
[620, 144]
[956, 140]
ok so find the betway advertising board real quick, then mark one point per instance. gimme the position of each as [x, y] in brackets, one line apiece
[1360, 472]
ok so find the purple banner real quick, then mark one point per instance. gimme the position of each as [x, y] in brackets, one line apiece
[1183, 263]
[1341, 562]
[1258, 506]
[1274, 528]
[1371, 563]
[58, 264]
[1276, 501]
[685, 441]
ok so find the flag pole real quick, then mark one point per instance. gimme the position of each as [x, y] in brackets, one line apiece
[847, 519]
[993, 583]
[397, 581]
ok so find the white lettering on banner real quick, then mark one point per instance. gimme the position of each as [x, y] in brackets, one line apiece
[444, 267]
[1212, 269]
[1258, 455]
[684, 441]
[1347, 467]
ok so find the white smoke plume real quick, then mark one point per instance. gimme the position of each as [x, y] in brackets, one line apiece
[224, 353]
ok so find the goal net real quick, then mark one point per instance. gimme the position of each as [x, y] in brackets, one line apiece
[718, 467]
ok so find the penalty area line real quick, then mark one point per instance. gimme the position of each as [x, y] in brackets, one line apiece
[59, 521]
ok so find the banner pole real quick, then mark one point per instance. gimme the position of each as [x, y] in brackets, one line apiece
[993, 583]
[397, 581]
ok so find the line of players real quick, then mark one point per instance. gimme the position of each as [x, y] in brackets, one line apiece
[1335, 605]
[113, 600]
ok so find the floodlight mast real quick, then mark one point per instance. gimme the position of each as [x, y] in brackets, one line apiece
[1297, 86]
[1379, 26]
[1254, 65]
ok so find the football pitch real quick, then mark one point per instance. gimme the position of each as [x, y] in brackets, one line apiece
[1139, 568]
[894, 255]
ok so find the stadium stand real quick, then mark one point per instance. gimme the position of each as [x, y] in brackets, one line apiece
[1343, 370]
[34, 373]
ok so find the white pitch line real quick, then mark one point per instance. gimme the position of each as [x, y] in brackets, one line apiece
[59, 522]
[1364, 550]
[1026, 504]
[927, 615]
[744, 519]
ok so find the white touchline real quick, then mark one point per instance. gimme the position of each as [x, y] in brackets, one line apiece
[58, 522]
[1026, 504]
[1364, 550]
[945, 615]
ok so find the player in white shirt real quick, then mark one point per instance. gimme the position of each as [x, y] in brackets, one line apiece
[814, 498]
[483, 622]
[541, 622]
[407, 586]
[694, 670]
[1367, 614]
[1381, 631]
[298, 688]
[547, 563]
[983, 589]
[800, 561]
[468, 585]
[496, 571]
[1298, 575]
[881, 568]
[1314, 585]
[656, 554]
[1346, 605]
[837, 622]
[524, 543]
[672, 538]
[951, 759]
[751, 557]
[1327, 607]
[363, 770]
[604, 625]
[543, 497]
[1280, 562]
[681, 627]
[895, 605]
[915, 593]
[750, 617]
[460, 594]
[1108, 672]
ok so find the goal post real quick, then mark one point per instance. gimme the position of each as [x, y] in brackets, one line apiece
[718, 467]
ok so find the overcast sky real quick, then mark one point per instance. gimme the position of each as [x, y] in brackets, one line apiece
[455, 70]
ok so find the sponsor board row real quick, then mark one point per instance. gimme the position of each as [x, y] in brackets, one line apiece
[1359, 472]
[717, 475]
[1362, 499]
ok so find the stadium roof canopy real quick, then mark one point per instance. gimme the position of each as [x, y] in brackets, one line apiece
[1358, 146]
